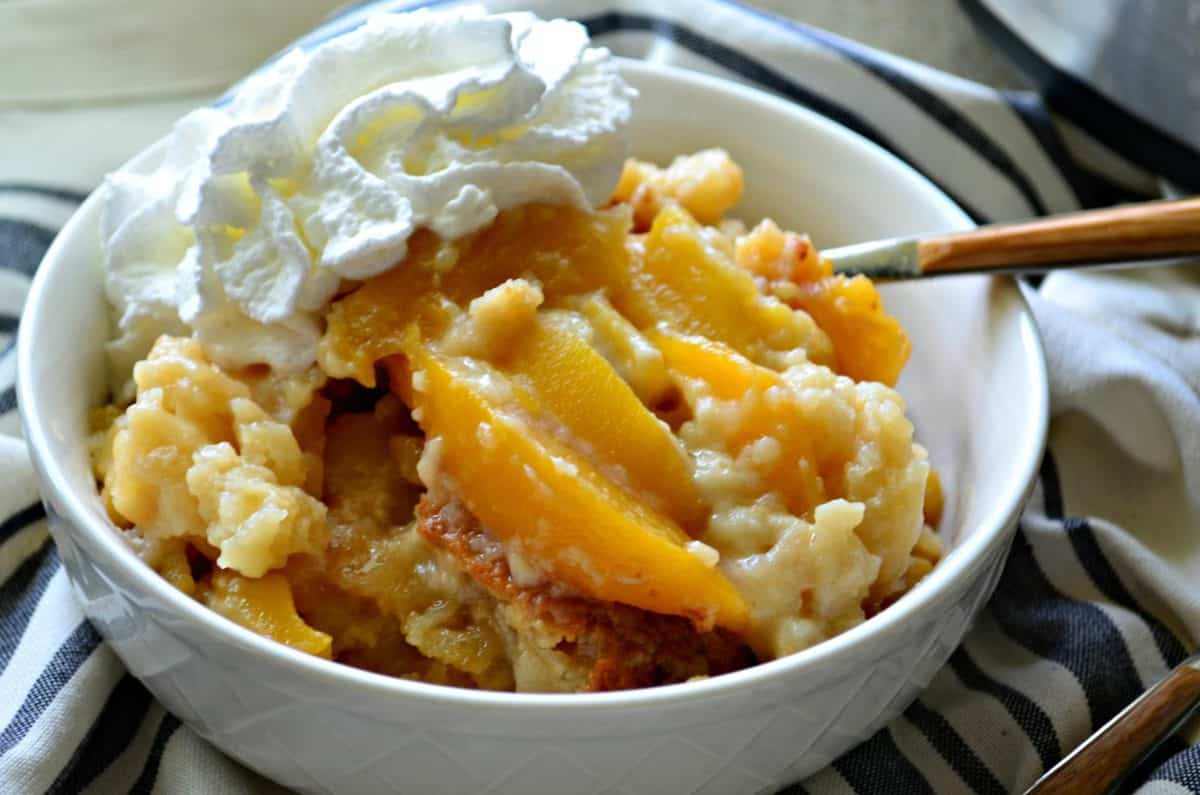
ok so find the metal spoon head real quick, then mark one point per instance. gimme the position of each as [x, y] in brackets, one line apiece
[896, 258]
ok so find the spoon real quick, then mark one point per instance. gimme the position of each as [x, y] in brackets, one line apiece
[1144, 231]
[1103, 759]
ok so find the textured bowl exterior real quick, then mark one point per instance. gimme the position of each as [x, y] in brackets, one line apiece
[320, 727]
[293, 729]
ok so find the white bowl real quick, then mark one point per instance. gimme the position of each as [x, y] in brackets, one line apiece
[976, 388]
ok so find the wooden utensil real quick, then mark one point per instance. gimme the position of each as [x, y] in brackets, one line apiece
[1145, 231]
[1104, 758]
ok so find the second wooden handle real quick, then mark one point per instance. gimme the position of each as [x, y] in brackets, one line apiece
[1105, 757]
[1140, 231]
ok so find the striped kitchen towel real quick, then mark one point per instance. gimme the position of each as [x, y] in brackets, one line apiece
[1100, 595]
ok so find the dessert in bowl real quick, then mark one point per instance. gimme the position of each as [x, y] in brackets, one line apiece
[536, 439]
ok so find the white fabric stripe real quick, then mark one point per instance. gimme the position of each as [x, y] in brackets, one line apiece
[127, 767]
[1052, 549]
[41, 755]
[18, 487]
[21, 547]
[8, 370]
[668, 52]
[991, 113]
[13, 289]
[828, 782]
[189, 764]
[45, 211]
[1151, 593]
[1099, 158]
[10, 423]
[51, 61]
[1062, 49]
[1138, 56]
[1143, 649]
[1048, 684]
[58, 161]
[664, 51]
[1164, 788]
[925, 758]
[178, 764]
[986, 726]
[53, 621]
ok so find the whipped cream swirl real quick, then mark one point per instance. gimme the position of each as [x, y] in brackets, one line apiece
[325, 163]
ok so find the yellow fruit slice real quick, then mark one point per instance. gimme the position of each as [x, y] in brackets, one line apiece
[728, 375]
[603, 419]
[565, 250]
[935, 500]
[626, 348]
[868, 344]
[570, 519]
[264, 605]
[681, 281]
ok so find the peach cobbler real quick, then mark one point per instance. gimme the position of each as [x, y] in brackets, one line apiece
[575, 449]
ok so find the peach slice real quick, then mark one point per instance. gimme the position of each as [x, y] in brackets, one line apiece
[728, 375]
[587, 532]
[566, 251]
[603, 419]
[679, 280]
[626, 348]
[869, 344]
[265, 605]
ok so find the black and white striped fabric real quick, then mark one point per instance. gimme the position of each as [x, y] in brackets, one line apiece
[1099, 597]
[1118, 68]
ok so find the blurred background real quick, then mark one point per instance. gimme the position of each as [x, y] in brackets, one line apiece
[1126, 71]
[937, 33]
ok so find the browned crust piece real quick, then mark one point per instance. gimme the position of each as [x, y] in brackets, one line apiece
[625, 646]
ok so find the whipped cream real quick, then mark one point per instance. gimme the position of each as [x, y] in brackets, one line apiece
[327, 161]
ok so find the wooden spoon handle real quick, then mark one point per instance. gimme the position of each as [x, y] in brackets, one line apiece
[1110, 753]
[1150, 230]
